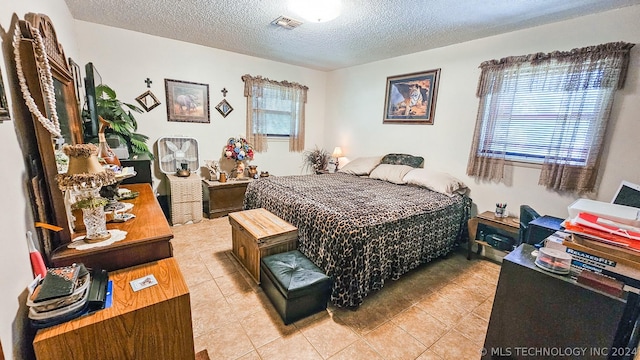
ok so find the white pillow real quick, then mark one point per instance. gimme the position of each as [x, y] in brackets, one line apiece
[361, 165]
[391, 173]
[436, 181]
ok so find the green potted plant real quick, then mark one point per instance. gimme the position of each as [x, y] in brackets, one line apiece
[316, 160]
[121, 121]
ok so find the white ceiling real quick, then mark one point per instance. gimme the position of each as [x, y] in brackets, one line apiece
[366, 31]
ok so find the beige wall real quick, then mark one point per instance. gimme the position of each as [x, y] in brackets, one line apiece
[356, 95]
[16, 216]
[126, 58]
[344, 108]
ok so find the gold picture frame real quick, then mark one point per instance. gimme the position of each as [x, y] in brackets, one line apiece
[187, 101]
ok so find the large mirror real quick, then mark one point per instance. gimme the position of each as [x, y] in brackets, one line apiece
[47, 198]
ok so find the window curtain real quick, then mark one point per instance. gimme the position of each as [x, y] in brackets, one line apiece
[258, 99]
[595, 66]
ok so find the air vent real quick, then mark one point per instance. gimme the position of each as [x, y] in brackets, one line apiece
[287, 23]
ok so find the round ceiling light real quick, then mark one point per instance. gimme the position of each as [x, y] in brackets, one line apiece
[316, 10]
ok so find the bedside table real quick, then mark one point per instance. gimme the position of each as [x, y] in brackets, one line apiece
[487, 219]
[221, 198]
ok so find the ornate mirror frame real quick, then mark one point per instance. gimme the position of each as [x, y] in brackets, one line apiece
[47, 198]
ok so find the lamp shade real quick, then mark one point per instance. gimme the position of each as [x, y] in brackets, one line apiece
[316, 10]
[84, 169]
[337, 152]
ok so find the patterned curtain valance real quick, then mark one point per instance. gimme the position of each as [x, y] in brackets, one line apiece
[250, 81]
[584, 59]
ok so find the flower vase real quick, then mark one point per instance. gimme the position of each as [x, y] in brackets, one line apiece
[239, 169]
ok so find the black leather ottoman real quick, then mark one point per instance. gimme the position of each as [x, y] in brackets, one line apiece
[296, 287]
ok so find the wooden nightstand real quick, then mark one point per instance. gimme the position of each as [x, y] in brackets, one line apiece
[221, 198]
[153, 323]
[509, 225]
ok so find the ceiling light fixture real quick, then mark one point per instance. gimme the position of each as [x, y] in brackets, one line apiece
[316, 10]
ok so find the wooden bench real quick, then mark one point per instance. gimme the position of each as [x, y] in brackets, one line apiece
[257, 233]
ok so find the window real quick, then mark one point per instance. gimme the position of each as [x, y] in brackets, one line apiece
[277, 113]
[550, 109]
[528, 120]
[275, 109]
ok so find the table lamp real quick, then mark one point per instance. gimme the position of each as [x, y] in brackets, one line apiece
[83, 181]
[337, 153]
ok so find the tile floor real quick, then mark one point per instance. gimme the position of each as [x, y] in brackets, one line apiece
[438, 311]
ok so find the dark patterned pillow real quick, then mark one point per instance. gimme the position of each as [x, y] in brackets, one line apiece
[403, 159]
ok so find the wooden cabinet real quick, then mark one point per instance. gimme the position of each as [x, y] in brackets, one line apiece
[222, 198]
[153, 323]
[148, 238]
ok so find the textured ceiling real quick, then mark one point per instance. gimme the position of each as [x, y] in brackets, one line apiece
[366, 31]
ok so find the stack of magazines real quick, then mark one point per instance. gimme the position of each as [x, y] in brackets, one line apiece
[61, 296]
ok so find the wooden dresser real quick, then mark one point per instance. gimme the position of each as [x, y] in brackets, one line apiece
[152, 323]
[148, 238]
[221, 198]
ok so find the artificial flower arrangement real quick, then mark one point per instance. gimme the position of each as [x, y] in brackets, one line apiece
[238, 149]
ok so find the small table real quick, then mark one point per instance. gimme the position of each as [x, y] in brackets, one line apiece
[509, 224]
[152, 323]
[222, 198]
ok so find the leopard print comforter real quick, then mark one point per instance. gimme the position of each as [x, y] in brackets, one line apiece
[362, 231]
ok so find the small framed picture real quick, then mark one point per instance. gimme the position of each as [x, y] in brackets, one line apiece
[4, 107]
[411, 98]
[187, 101]
[224, 108]
[148, 100]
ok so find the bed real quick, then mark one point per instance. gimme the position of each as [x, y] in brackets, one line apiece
[363, 231]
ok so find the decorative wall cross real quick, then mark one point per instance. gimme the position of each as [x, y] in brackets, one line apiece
[224, 92]
[148, 81]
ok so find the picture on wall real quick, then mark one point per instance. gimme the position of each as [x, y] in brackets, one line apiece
[187, 101]
[411, 98]
[4, 107]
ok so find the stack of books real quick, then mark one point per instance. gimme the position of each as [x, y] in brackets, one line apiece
[61, 296]
[605, 239]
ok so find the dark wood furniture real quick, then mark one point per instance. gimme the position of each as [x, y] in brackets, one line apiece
[148, 238]
[509, 225]
[153, 323]
[535, 310]
[221, 198]
[142, 168]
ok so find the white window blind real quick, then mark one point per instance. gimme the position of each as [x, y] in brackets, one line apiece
[551, 109]
[535, 115]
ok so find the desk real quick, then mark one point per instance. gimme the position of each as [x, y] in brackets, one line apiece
[148, 238]
[509, 225]
[535, 310]
[222, 198]
[153, 323]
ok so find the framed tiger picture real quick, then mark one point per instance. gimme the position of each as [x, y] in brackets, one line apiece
[411, 98]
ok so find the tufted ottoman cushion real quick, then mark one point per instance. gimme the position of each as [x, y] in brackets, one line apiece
[296, 287]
